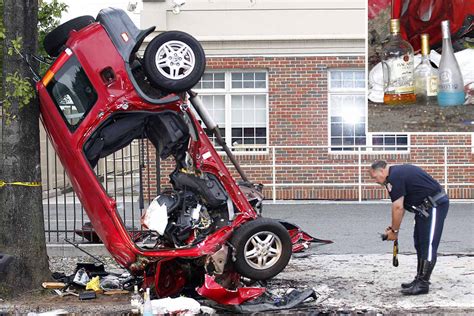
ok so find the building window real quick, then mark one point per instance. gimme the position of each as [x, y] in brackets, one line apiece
[238, 102]
[347, 109]
[348, 116]
[389, 142]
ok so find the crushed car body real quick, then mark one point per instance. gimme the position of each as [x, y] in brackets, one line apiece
[96, 98]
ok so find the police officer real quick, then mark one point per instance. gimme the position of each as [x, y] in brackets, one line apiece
[412, 189]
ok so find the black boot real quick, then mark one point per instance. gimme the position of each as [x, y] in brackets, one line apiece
[422, 284]
[418, 272]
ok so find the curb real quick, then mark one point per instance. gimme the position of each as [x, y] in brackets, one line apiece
[66, 250]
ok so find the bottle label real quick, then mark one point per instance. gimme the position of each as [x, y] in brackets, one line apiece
[400, 75]
[447, 82]
[432, 86]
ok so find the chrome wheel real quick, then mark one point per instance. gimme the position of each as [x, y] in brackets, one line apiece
[263, 250]
[175, 60]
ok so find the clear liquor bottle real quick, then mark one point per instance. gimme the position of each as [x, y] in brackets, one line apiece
[398, 66]
[136, 301]
[426, 76]
[451, 85]
[147, 307]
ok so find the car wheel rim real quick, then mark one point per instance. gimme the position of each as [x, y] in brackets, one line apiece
[263, 250]
[175, 60]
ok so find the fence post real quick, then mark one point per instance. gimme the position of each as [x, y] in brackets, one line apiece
[446, 169]
[360, 173]
[273, 175]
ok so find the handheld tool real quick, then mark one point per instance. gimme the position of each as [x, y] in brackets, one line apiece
[395, 250]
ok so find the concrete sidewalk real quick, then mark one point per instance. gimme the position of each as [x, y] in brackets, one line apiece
[371, 283]
[357, 284]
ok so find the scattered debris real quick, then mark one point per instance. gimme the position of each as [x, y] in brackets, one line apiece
[87, 295]
[90, 280]
[268, 302]
[116, 292]
[94, 284]
[216, 292]
[110, 282]
[81, 277]
[177, 305]
[53, 285]
[65, 293]
[301, 240]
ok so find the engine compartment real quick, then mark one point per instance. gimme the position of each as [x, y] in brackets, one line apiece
[182, 217]
[197, 203]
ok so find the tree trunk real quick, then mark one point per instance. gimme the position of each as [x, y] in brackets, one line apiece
[21, 212]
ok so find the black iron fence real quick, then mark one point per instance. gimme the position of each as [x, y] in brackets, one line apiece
[119, 173]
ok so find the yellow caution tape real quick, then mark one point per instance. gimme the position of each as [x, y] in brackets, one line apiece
[24, 184]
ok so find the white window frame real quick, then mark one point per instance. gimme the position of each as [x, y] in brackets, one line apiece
[344, 91]
[367, 148]
[472, 143]
[228, 92]
[371, 150]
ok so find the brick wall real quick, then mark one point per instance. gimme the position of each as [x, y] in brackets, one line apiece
[298, 115]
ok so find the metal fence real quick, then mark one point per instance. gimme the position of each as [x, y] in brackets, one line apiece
[120, 175]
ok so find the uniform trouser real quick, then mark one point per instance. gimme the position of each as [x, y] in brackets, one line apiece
[428, 230]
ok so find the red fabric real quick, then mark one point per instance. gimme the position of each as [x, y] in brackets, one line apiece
[415, 21]
[375, 6]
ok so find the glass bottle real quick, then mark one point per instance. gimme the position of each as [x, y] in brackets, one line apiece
[136, 300]
[398, 65]
[451, 85]
[426, 76]
[147, 308]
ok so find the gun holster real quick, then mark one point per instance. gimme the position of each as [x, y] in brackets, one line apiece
[427, 204]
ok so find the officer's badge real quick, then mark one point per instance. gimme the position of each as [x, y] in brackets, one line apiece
[389, 187]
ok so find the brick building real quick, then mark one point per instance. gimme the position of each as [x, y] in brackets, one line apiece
[285, 82]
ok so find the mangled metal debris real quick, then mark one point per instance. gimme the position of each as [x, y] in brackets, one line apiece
[206, 227]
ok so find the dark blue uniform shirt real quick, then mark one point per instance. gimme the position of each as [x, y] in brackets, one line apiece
[412, 182]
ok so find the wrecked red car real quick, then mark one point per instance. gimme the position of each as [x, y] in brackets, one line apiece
[97, 97]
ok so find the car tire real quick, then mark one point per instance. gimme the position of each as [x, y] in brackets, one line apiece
[262, 249]
[55, 40]
[174, 61]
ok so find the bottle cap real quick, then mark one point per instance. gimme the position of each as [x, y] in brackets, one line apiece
[445, 29]
[394, 26]
[425, 44]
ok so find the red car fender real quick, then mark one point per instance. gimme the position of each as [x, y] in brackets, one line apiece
[216, 292]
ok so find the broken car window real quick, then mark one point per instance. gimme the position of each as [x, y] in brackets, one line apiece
[72, 92]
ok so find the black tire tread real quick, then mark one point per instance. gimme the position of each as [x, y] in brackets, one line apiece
[244, 232]
[54, 40]
[169, 85]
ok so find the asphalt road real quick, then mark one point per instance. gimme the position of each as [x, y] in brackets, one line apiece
[353, 227]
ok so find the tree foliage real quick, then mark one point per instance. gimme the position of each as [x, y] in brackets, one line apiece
[19, 87]
[49, 16]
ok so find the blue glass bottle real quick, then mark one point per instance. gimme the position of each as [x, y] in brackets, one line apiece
[450, 83]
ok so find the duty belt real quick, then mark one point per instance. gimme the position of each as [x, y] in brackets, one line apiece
[428, 203]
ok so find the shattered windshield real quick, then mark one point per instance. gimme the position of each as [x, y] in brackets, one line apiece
[72, 92]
